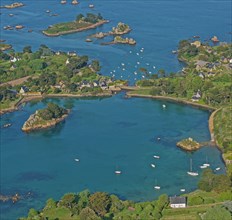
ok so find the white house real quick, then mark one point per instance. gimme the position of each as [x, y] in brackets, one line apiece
[178, 202]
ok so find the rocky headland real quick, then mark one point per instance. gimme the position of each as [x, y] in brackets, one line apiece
[45, 118]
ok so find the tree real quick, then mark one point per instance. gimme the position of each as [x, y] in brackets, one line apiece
[32, 213]
[68, 200]
[221, 183]
[206, 181]
[95, 65]
[100, 202]
[79, 17]
[27, 49]
[162, 73]
[50, 204]
[88, 214]
[217, 213]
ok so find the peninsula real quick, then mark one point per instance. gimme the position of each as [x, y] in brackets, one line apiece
[31, 75]
[45, 118]
[82, 23]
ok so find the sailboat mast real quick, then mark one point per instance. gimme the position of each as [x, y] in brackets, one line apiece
[191, 168]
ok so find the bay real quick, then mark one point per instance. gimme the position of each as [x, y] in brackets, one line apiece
[111, 133]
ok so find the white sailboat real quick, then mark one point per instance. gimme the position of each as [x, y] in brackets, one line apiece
[117, 171]
[157, 187]
[77, 160]
[152, 165]
[156, 157]
[191, 173]
[218, 168]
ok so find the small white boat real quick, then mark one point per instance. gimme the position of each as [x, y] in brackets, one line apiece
[164, 106]
[138, 63]
[137, 54]
[152, 165]
[117, 171]
[123, 69]
[157, 187]
[203, 167]
[130, 52]
[192, 173]
[153, 67]
[123, 64]
[91, 6]
[206, 164]
[156, 156]
[182, 190]
[158, 139]
[218, 168]
[77, 160]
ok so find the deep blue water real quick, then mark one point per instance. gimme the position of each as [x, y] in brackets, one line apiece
[112, 133]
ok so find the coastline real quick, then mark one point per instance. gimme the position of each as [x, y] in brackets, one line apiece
[75, 30]
[168, 98]
[49, 124]
[26, 99]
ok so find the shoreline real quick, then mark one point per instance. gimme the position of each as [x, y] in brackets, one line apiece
[168, 98]
[76, 30]
[26, 99]
[171, 99]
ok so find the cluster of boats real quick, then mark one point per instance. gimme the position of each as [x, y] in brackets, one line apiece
[121, 68]
[157, 187]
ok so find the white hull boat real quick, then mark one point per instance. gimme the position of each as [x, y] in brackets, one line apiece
[192, 173]
[157, 187]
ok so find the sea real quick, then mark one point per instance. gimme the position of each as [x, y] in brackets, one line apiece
[114, 133]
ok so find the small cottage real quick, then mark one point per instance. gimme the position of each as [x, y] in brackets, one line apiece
[23, 90]
[178, 201]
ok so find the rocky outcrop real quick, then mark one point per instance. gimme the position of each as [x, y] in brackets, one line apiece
[188, 144]
[35, 122]
[13, 5]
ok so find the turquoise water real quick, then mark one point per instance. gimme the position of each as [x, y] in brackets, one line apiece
[111, 133]
[105, 134]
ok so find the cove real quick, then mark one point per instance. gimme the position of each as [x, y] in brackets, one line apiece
[105, 134]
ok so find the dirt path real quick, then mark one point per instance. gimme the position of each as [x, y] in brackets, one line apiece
[16, 81]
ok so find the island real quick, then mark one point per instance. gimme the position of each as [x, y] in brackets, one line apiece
[13, 5]
[188, 144]
[45, 118]
[82, 23]
[120, 29]
[121, 40]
